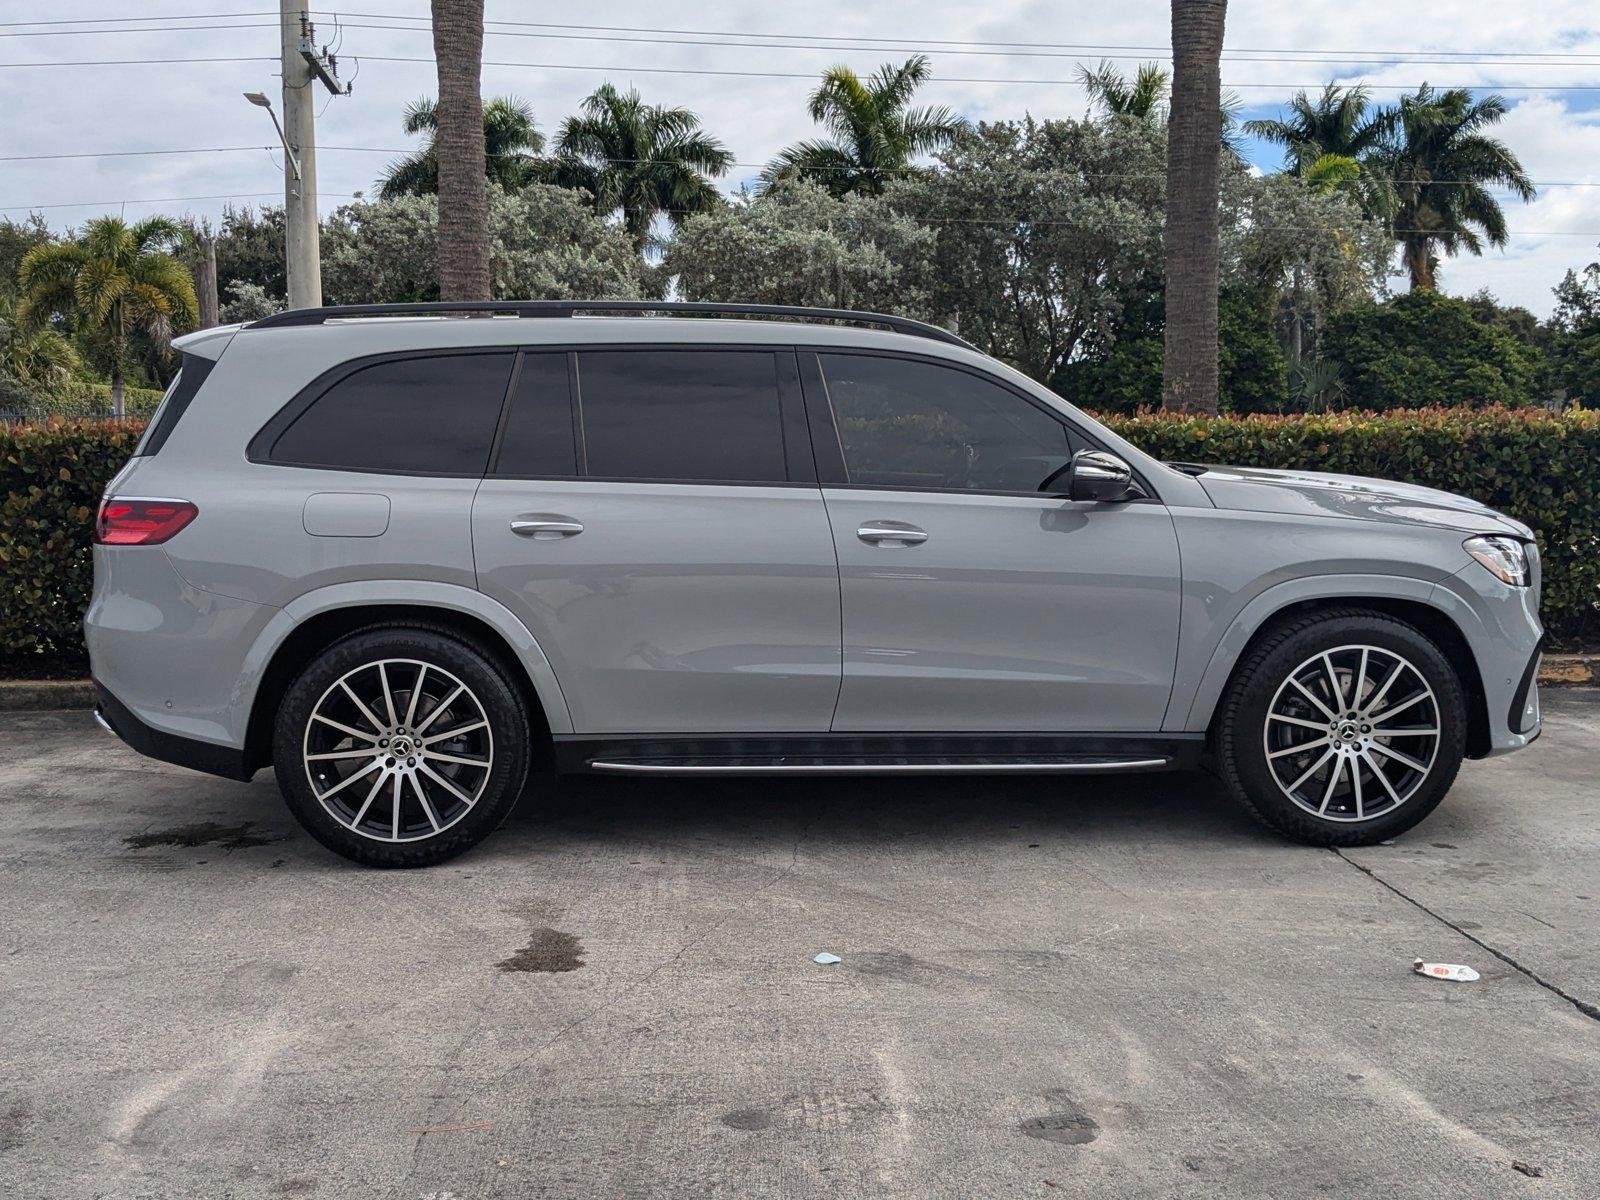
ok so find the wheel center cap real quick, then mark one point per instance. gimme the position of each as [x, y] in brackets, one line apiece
[402, 747]
[1348, 731]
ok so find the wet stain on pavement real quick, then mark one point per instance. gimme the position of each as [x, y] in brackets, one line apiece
[202, 833]
[748, 1118]
[547, 950]
[1065, 1123]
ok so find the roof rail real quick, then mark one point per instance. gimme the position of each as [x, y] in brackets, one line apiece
[569, 308]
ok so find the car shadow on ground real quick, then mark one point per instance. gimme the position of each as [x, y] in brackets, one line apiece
[876, 812]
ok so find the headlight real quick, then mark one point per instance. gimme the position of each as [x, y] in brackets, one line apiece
[1504, 557]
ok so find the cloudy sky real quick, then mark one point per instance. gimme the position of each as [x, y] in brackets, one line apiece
[750, 85]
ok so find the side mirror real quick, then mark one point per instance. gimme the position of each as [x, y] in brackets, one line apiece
[1099, 476]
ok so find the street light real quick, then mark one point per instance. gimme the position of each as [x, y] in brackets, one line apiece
[261, 101]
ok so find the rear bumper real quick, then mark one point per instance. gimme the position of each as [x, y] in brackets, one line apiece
[115, 717]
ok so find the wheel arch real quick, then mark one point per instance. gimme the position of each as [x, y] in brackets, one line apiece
[316, 620]
[1412, 602]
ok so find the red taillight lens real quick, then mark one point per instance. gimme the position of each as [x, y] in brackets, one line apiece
[124, 521]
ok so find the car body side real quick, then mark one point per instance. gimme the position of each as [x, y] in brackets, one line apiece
[190, 636]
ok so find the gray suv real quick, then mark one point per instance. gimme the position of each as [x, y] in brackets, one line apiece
[422, 558]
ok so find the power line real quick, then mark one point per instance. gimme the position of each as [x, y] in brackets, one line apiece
[159, 200]
[665, 162]
[153, 29]
[615, 69]
[743, 41]
[129, 153]
[901, 44]
[123, 20]
[1089, 46]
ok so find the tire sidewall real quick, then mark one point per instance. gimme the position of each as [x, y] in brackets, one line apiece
[1248, 753]
[503, 707]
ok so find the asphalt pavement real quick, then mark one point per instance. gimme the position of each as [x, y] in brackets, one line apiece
[1108, 988]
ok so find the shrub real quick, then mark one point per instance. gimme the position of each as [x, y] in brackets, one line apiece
[1422, 349]
[51, 477]
[1542, 468]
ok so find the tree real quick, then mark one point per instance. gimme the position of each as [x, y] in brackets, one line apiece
[1341, 121]
[459, 150]
[1442, 166]
[511, 148]
[35, 355]
[1143, 98]
[639, 159]
[543, 241]
[797, 244]
[1305, 243]
[1194, 155]
[16, 239]
[112, 282]
[1045, 233]
[1574, 332]
[1422, 349]
[875, 134]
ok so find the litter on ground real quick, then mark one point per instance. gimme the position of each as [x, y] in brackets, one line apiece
[1454, 972]
[825, 958]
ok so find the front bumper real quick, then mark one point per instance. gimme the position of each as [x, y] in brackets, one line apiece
[1501, 625]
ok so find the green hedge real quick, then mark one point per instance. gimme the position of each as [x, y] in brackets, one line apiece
[1540, 467]
[51, 476]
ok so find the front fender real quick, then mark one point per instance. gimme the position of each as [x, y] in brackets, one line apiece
[1201, 676]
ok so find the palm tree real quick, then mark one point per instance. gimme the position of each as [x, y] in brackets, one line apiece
[36, 355]
[1191, 238]
[875, 136]
[511, 146]
[1143, 97]
[114, 281]
[458, 147]
[1442, 166]
[1340, 121]
[641, 159]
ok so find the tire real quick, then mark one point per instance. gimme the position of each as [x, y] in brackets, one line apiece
[453, 791]
[1287, 751]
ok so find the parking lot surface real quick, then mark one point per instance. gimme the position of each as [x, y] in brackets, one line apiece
[1112, 988]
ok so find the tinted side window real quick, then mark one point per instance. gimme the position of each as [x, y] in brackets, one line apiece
[435, 414]
[904, 423]
[681, 414]
[539, 437]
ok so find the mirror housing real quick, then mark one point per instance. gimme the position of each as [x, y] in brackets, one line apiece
[1099, 476]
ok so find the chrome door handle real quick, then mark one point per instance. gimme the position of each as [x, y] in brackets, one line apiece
[545, 526]
[891, 534]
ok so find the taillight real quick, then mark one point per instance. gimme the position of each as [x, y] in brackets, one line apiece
[134, 521]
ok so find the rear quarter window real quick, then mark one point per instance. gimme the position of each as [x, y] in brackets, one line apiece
[429, 414]
[174, 404]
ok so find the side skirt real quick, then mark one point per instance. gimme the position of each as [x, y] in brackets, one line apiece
[874, 753]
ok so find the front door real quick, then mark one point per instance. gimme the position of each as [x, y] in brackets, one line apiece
[972, 601]
[649, 519]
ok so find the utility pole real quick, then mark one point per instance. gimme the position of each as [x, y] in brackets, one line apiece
[205, 279]
[303, 64]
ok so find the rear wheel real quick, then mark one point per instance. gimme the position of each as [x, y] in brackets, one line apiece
[401, 746]
[1342, 729]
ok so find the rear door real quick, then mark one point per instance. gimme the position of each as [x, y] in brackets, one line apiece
[652, 515]
[975, 597]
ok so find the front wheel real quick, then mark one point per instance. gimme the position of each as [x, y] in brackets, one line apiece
[1342, 729]
[401, 746]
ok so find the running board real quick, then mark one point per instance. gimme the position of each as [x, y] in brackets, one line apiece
[816, 765]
